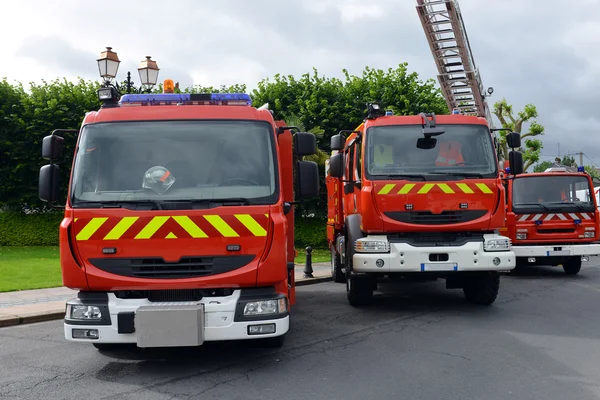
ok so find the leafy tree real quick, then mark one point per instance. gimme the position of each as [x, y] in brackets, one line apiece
[568, 161]
[541, 167]
[505, 113]
[32, 115]
[593, 172]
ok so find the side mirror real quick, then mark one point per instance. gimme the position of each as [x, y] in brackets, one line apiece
[305, 144]
[336, 165]
[426, 143]
[308, 179]
[337, 142]
[49, 183]
[52, 147]
[513, 140]
[515, 159]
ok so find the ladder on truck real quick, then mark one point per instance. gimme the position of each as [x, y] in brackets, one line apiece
[457, 74]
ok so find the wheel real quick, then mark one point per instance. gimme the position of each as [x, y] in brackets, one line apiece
[572, 266]
[360, 291]
[482, 288]
[337, 273]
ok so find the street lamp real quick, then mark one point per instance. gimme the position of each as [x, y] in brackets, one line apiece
[148, 71]
[108, 65]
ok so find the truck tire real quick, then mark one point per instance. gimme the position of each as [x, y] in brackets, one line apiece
[360, 291]
[572, 266]
[337, 273]
[482, 288]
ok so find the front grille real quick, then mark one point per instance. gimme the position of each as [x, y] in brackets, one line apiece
[173, 295]
[436, 239]
[428, 218]
[157, 268]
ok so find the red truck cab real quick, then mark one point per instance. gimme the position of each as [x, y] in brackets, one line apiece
[552, 218]
[418, 196]
[178, 226]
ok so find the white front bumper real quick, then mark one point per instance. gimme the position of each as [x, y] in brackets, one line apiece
[406, 258]
[219, 321]
[551, 250]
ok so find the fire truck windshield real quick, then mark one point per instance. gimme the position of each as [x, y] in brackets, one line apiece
[162, 161]
[463, 150]
[552, 192]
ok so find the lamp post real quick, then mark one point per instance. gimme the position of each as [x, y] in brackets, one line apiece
[108, 65]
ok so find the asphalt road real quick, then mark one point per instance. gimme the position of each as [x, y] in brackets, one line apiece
[540, 340]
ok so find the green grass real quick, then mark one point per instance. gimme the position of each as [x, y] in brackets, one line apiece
[37, 267]
[23, 268]
[318, 256]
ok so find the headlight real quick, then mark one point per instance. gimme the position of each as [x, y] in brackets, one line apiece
[500, 244]
[84, 313]
[589, 234]
[371, 246]
[265, 307]
[521, 236]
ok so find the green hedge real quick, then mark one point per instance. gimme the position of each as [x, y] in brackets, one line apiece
[29, 229]
[42, 230]
[311, 232]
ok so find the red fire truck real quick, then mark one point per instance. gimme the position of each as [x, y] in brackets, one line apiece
[552, 218]
[178, 226]
[418, 196]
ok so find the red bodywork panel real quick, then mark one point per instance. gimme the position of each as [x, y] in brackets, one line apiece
[265, 235]
[379, 202]
[565, 225]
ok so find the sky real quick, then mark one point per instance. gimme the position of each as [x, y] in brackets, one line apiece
[544, 52]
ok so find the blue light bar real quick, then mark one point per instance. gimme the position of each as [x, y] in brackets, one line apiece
[581, 169]
[507, 170]
[186, 99]
[389, 112]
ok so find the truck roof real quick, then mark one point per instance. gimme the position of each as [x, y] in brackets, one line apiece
[417, 120]
[174, 112]
[534, 174]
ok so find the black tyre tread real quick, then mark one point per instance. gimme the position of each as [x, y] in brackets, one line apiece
[482, 289]
[337, 275]
[572, 266]
[361, 292]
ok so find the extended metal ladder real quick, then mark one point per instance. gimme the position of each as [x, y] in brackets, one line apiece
[457, 74]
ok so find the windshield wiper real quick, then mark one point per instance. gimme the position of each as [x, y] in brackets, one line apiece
[459, 173]
[405, 176]
[117, 203]
[567, 203]
[230, 201]
[533, 204]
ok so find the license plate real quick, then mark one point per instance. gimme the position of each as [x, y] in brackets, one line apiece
[559, 253]
[170, 325]
[439, 267]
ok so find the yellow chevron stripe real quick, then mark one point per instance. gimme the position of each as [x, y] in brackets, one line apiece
[251, 224]
[152, 227]
[406, 188]
[426, 188]
[190, 227]
[465, 188]
[91, 228]
[171, 235]
[76, 219]
[120, 228]
[445, 188]
[484, 188]
[220, 225]
[387, 188]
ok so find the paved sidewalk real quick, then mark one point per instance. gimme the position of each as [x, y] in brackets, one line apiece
[29, 306]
